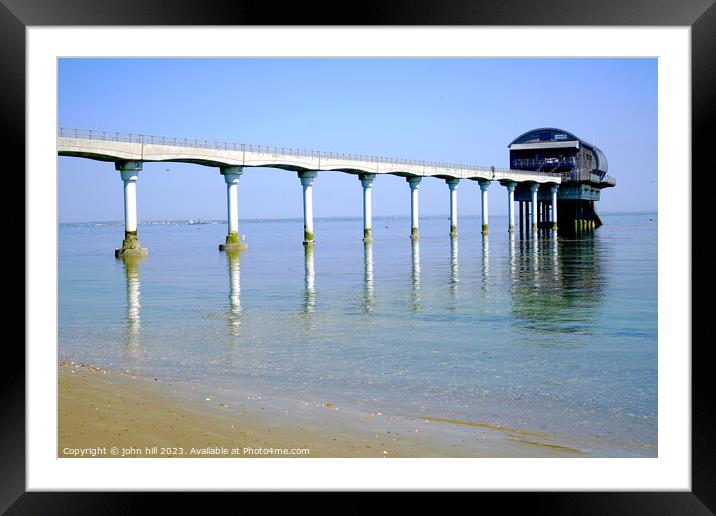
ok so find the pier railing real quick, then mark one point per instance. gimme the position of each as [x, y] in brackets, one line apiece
[552, 162]
[114, 136]
[591, 177]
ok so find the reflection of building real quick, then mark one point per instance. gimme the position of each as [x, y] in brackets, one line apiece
[558, 281]
[131, 270]
[581, 166]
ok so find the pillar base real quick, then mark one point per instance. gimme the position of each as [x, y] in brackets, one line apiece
[131, 252]
[367, 235]
[554, 226]
[511, 229]
[484, 229]
[229, 248]
[130, 246]
[414, 234]
[233, 243]
[534, 227]
[453, 231]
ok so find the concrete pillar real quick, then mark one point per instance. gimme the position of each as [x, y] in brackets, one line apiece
[367, 181]
[307, 182]
[484, 185]
[129, 170]
[522, 218]
[527, 219]
[233, 239]
[511, 206]
[452, 184]
[533, 189]
[414, 182]
[553, 191]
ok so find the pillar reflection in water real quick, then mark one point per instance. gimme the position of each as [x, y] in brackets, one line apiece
[369, 289]
[511, 253]
[566, 287]
[309, 305]
[415, 275]
[554, 255]
[485, 262]
[233, 258]
[535, 247]
[131, 270]
[454, 278]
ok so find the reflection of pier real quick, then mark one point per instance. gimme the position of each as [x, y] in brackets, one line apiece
[131, 270]
[369, 289]
[415, 275]
[560, 281]
[485, 262]
[454, 277]
[511, 252]
[234, 291]
[309, 305]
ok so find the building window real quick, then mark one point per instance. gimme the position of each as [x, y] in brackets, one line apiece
[545, 135]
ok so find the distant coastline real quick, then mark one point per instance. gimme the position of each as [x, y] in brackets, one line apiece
[155, 222]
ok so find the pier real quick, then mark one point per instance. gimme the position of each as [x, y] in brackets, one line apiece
[129, 151]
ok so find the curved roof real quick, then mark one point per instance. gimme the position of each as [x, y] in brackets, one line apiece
[553, 134]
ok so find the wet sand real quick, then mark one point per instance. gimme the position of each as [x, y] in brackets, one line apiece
[104, 413]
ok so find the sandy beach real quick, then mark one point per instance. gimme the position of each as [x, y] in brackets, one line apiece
[104, 413]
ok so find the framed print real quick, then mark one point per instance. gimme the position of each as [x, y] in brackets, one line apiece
[480, 282]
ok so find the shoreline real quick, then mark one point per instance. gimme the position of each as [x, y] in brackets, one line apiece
[100, 410]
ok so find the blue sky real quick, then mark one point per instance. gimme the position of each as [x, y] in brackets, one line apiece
[452, 110]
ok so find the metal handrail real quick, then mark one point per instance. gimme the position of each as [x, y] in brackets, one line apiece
[527, 162]
[116, 136]
[583, 175]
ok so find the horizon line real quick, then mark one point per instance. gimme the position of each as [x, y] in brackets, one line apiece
[334, 217]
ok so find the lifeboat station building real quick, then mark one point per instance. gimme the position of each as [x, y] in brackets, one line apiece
[581, 166]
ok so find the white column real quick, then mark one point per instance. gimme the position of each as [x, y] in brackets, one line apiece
[484, 185]
[129, 171]
[511, 206]
[414, 183]
[452, 184]
[367, 181]
[307, 182]
[533, 189]
[231, 177]
[554, 189]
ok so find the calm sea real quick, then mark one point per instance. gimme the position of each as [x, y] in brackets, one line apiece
[548, 335]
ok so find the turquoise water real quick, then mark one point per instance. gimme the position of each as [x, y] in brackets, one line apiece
[547, 335]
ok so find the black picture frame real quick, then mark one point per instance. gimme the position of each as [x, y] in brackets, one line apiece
[16, 15]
